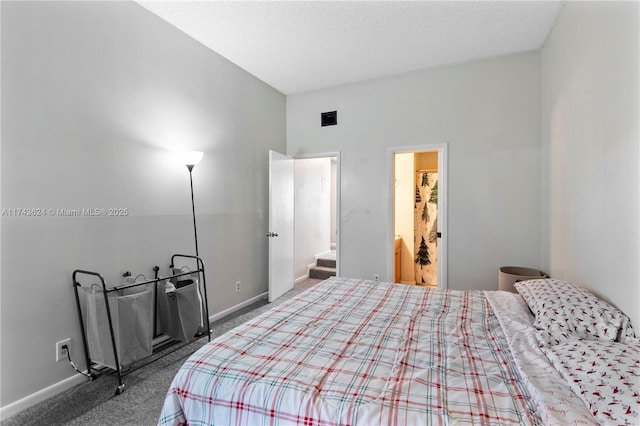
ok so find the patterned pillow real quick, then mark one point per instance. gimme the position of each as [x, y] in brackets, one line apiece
[564, 311]
[605, 375]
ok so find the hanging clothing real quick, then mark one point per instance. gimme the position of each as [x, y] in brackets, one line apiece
[425, 228]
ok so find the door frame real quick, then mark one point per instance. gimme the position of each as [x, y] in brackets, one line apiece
[442, 150]
[335, 154]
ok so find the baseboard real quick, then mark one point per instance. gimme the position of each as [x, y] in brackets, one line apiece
[302, 278]
[237, 307]
[39, 396]
[48, 392]
[317, 256]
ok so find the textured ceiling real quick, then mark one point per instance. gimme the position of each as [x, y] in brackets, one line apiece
[298, 46]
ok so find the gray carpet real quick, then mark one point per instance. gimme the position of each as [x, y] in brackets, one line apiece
[94, 403]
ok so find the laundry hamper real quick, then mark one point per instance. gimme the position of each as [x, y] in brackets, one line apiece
[509, 275]
[131, 312]
[181, 308]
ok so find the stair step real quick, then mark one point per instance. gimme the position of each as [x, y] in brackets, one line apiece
[328, 263]
[322, 272]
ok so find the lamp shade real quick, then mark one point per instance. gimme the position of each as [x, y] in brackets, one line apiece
[189, 158]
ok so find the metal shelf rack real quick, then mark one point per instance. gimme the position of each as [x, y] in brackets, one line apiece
[160, 341]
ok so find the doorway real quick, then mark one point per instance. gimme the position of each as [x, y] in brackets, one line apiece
[285, 221]
[417, 250]
[316, 206]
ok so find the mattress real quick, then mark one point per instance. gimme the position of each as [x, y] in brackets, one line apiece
[357, 352]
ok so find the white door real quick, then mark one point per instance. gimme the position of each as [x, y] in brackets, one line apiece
[281, 230]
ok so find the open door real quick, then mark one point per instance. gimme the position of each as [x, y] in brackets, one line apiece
[281, 226]
[418, 188]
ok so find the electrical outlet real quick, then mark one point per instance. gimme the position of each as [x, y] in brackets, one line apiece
[376, 277]
[61, 349]
[237, 286]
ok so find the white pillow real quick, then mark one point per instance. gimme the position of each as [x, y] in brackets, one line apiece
[564, 312]
[605, 375]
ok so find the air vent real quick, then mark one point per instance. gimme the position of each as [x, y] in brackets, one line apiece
[329, 118]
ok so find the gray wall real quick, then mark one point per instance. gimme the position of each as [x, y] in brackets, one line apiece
[590, 145]
[489, 114]
[95, 95]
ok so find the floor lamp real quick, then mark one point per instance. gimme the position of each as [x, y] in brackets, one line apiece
[190, 159]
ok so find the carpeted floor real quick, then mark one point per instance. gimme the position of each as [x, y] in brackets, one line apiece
[94, 403]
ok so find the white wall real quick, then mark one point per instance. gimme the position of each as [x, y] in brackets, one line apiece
[312, 211]
[94, 94]
[590, 145]
[489, 114]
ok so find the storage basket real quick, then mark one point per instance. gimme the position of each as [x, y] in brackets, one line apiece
[181, 310]
[509, 275]
[131, 312]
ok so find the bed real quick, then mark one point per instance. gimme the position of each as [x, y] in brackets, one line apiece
[357, 352]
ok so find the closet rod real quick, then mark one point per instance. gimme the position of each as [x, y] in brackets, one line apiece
[427, 170]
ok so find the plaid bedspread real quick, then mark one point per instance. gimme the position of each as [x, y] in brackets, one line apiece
[355, 352]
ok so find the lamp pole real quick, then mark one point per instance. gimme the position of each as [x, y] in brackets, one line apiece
[190, 159]
[193, 207]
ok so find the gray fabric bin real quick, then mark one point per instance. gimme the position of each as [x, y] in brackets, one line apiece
[132, 319]
[509, 275]
[181, 310]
